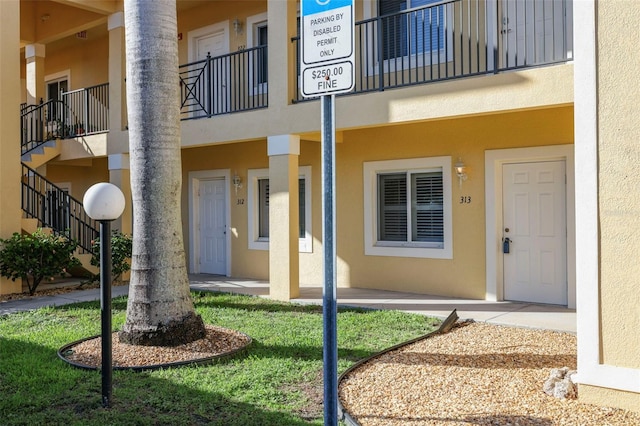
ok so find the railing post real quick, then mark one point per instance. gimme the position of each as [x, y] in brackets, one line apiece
[209, 85]
[85, 125]
[380, 55]
[496, 50]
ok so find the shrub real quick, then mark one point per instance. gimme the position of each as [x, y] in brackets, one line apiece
[34, 257]
[121, 246]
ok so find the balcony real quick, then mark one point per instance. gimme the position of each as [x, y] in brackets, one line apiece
[224, 84]
[451, 39]
[76, 113]
[454, 39]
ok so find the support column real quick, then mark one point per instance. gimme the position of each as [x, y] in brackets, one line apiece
[282, 58]
[117, 73]
[284, 274]
[119, 175]
[10, 170]
[34, 56]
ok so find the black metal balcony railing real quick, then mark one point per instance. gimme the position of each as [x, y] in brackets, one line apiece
[56, 209]
[87, 109]
[224, 84]
[457, 38]
[78, 112]
[443, 40]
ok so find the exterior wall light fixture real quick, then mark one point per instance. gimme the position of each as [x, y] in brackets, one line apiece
[237, 182]
[461, 171]
[237, 26]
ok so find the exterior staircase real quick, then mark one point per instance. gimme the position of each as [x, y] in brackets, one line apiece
[44, 204]
[42, 154]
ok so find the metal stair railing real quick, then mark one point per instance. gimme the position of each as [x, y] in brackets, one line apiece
[41, 123]
[54, 208]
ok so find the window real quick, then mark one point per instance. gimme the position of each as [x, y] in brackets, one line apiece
[258, 204]
[55, 89]
[261, 40]
[408, 208]
[257, 32]
[263, 209]
[415, 32]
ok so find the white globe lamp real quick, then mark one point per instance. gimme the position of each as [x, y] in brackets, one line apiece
[103, 201]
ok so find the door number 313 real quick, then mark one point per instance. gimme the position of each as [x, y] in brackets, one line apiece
[465, 199]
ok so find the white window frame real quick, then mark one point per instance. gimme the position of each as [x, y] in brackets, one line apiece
[253, 23]
[56, 78]
[260, 243]
[373, 247]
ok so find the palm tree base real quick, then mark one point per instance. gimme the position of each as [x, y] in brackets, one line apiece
[189, 329]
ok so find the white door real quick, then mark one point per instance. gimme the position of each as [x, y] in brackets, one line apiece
[532, 31]
[213, 227]
[534, 221]
[216, 46]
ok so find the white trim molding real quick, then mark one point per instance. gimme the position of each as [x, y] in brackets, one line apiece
[34, 50]
[118, 162]
[194, 215]
[283, 145]
[253, 23]
[115, 20]
[371, 170]
[591, 370]
[62, 75]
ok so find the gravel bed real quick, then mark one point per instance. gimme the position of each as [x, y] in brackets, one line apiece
[477, 374]
[218, 341]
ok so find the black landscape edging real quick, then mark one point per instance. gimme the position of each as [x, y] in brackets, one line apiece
[198, 361]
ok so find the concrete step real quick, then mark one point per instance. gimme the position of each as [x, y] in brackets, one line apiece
[42, 154]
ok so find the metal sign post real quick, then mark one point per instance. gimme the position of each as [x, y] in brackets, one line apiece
[329, 297]
[327, 67]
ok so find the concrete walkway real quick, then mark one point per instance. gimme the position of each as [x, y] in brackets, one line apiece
[518, 314]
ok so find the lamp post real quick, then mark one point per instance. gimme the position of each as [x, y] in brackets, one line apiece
[104, 202]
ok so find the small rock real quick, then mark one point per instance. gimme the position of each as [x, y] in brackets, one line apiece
[560, 385]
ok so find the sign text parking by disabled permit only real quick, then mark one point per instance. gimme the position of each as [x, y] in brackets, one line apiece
[327, 65]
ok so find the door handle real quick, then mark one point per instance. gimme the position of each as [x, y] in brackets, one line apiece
[506, 244]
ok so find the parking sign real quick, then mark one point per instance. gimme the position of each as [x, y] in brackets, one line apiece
[328, 53]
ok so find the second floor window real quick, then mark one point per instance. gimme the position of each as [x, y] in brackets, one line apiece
[414, 32]
[261, 40]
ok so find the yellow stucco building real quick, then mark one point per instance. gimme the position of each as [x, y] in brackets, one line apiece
[539, 117]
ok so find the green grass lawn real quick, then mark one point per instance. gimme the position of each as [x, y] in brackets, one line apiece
[277, 381]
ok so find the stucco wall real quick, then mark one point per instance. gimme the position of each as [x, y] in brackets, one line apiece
[81, 175]
[468, 138]
[238, 159]
[198, 17]
[87, 60]
[619, 131]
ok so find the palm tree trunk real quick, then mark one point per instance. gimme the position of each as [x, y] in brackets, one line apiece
[160, 311]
